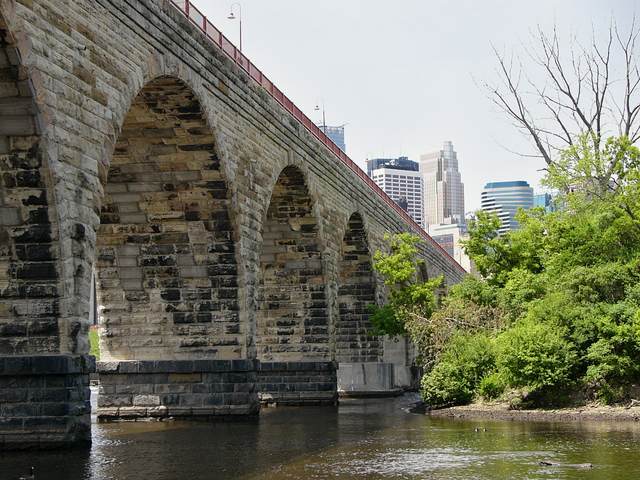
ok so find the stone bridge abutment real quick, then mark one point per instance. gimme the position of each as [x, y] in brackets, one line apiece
[230, 248]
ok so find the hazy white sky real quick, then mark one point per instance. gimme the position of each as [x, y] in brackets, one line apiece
[403, 74]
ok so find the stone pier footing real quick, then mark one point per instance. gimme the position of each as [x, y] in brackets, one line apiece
[187, 389]
[45, 401]
[297, 383]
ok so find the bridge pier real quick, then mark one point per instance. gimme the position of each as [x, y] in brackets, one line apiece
[184, 389]
[297, 383]
[45, 401]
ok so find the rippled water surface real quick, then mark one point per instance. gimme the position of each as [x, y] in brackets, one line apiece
[361, 439]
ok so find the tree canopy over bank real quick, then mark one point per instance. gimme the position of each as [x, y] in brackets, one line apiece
[556, 309]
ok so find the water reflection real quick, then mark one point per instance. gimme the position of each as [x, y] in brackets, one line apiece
[359, 440]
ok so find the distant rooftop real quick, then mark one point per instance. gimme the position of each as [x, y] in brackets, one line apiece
[516, 183]
[400, 163]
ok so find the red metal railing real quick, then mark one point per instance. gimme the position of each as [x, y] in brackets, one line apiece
[197, 18]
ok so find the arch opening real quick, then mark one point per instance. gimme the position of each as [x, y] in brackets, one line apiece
[166, 271]
[292, 322]
[356, 290]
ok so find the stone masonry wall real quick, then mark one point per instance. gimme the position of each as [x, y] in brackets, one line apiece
[177, 388]
[29, 271]
[93, 128]
[356, 292]
[297, 383]
[44, 401]
[166, 268]
[292, 318]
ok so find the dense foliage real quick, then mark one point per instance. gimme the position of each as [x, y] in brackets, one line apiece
[409, 295]
[555, 311]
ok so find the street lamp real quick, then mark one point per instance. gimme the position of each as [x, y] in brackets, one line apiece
[232, 16]
[324, 122]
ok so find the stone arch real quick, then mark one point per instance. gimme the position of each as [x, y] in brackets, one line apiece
[356, 290]
[166, 270]
[292, 322]
[30, 289]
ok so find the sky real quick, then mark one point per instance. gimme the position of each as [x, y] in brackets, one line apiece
[405, 75]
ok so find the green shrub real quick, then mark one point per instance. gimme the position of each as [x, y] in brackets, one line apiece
[454, 379]
[492, 386]
[385, 321]
[535, 355]
[94, 344]
[474, 290]
[614, 359]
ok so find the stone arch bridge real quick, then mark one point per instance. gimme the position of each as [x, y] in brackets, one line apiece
[229, 238]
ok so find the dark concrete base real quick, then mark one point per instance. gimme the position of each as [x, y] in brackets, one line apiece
[371, 393]
[185, 389]
[366, 379]
[297, 383]
[45, 401]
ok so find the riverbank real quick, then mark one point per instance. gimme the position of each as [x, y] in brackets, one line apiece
[501, 411]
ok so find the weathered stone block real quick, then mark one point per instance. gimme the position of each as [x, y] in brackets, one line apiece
[146, 400]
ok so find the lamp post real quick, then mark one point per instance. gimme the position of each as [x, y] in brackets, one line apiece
[232, 16]
[324, 122]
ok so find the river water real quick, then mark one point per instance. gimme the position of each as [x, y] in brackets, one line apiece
[360, 439]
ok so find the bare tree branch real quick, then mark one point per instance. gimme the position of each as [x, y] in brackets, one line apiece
[572, 92]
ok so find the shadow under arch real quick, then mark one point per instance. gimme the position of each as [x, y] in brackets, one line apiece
[166, 269]
[292, 323]
[356, 291]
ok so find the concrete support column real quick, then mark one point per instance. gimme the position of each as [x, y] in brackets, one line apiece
[367, 380]
[45, 401]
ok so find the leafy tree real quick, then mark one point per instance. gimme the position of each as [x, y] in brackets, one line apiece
[408, 297]
[558, 299]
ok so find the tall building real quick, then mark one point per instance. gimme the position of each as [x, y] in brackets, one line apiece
[401, 179]
[546, 201]
[449, 237]
[443, 187]
[336, 134]
[504, 199]
[400, 163]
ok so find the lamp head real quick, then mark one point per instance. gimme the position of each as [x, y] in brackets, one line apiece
[231, 16]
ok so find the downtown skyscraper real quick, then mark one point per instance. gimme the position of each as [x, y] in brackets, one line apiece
[401, 179]
[443, 187]
[504, 199]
